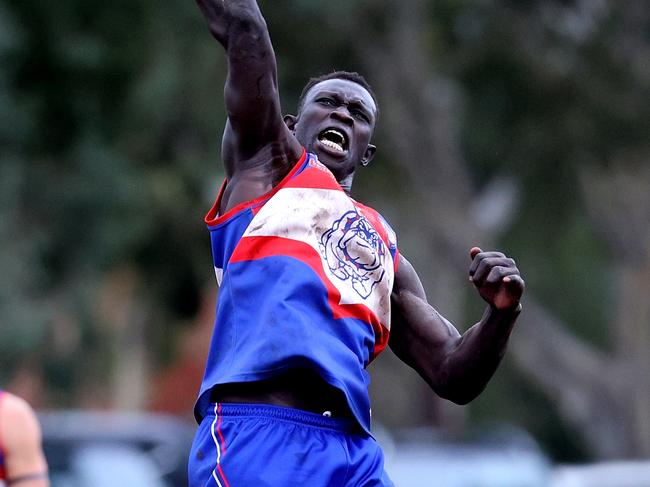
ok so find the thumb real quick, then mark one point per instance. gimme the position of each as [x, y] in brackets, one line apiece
[474, 251]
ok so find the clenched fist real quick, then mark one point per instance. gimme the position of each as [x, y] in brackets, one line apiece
[496, 278]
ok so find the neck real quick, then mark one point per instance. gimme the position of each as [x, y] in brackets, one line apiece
[346, 183]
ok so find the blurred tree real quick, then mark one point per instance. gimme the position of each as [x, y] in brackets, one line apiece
[546, 90]
[104, 144]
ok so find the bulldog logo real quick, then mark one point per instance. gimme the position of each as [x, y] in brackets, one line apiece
[354, 252]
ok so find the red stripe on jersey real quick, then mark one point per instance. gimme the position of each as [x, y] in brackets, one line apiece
[312, 177]
[253, 248]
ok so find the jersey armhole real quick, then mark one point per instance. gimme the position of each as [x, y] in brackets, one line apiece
[396, 260]
[213, 214]
[213, 218]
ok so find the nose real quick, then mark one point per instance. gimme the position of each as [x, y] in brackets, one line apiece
[343, 115]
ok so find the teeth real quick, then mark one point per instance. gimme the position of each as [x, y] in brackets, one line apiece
[336, 133]
[333, 134]
[332, 145]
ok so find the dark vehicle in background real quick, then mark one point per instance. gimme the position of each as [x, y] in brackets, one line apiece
[109, 449]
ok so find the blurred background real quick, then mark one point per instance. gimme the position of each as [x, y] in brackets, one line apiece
[519, 125]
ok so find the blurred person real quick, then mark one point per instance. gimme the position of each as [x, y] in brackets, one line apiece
[22, 462]
[312, 285]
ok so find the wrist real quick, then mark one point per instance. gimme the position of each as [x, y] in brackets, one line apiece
[513, 310]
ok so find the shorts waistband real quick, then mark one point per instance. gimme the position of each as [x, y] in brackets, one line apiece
[233, 410]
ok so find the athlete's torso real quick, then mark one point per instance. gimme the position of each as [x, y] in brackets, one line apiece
[306, 275]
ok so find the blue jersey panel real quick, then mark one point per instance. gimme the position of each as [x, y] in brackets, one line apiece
[230, 233]
[300, 332]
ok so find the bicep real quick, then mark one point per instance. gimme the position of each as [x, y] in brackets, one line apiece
[420, 336]
[251, 84]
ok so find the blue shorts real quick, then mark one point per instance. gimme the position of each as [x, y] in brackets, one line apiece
[251, 445]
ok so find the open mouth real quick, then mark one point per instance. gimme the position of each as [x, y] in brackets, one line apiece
[334, 139]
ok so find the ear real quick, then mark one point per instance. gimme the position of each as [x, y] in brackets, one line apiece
[368, 155]
[290, 121]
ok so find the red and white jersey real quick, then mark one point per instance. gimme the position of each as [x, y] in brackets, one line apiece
[306, 275]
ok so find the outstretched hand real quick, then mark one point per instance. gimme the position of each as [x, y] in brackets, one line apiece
[496, 278]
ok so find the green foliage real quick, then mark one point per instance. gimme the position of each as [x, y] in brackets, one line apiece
[105, 136]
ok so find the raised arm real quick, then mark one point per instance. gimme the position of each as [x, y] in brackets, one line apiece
[255, 132]
[457, 367]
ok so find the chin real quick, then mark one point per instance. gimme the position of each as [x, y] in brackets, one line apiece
[327, 159]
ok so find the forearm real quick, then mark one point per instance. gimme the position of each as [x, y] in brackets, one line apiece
[251, 89]
[240, 28]
[457, 367]
[246, 40]
[251, 92]
[471, 363]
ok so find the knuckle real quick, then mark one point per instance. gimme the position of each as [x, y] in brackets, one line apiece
[492, 261]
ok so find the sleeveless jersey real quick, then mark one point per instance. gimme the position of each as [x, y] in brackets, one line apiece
[305, 274]
[3, 471]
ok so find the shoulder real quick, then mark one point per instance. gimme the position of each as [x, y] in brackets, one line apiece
[378, 220]
[17, 420]
[14, 407]
[276, 154]
[407, 282]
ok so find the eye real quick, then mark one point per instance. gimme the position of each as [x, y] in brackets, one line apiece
[328, 102]
[360, 115]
